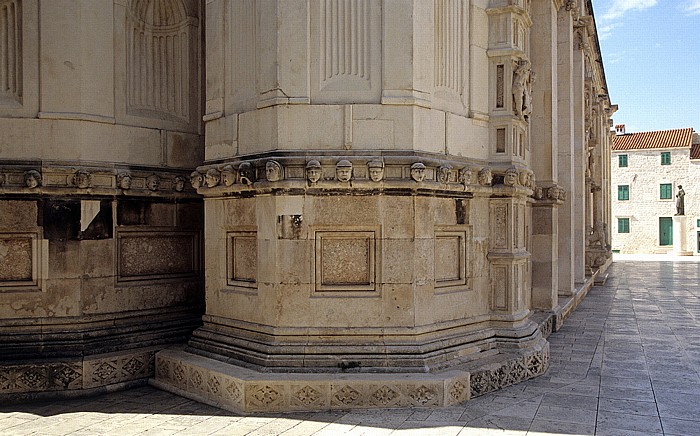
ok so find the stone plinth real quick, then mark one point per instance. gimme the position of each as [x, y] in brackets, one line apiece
[680, 236]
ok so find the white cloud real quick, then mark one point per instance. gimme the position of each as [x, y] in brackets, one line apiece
[619, 7]
[605, 31]
[693, 7]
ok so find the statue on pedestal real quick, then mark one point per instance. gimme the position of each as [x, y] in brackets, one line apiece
[680, 201]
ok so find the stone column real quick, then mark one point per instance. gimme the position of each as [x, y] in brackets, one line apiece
[565, 154]
[579, 192]
[544, 139]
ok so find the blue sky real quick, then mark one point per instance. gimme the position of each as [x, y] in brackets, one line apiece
[651, 54]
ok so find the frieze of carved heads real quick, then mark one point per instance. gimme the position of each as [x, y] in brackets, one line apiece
[179, 183]
[418, 171]
[375, 168]
[551, 193]
[82, 179]
[273, 171]
[443, 173]
[153, 182]
[466, 176]
[212, 177]
[313, 171]
[246, 173]
[124, 180]
[228, 175]
[343, 170]
[510, 178]
[32, 178]
[485, 177]
[196, 179]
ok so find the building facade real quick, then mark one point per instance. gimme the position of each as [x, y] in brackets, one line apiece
[649, 170]
[389, 203]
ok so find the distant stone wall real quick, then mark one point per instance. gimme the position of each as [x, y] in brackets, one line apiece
[644, 175]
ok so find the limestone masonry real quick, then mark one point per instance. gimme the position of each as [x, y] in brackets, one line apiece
[325, 204]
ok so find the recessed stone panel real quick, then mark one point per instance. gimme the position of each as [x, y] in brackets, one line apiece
[450, 259]
[345, 261]
[156, 254]
[242, 259]
[15, 258]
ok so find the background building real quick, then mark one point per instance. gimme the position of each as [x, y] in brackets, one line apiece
[377, 186]
[648, 168]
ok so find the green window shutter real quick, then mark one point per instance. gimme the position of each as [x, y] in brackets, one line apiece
[665, 158]
[623, 192]
[622, 160]
[623, 225]
[666, 191]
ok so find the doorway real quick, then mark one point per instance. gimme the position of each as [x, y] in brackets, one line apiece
[665, 231]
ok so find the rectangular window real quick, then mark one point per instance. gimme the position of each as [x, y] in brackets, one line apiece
[623, 192]
[697, 224]
[666, 191]
[665, 231]
[622, 160]
[623, 225]
[665, 158]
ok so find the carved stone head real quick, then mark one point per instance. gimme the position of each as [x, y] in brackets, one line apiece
[32, 178]
[343, 170]
[511, 177]
[273, 171]
[522, 177]
[376, 170]
[153, 182]
[313, 171]
[466, 175]
[124, 180]
[246, 173]
[179, 183]
[444, 173]
[212, 177]
[228, 175]
[485, 177]
[196, 179]
[418, 171]
[82, 179]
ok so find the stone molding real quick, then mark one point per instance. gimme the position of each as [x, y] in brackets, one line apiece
[359, 174]
[75, 178]
[71, 375]
[244, 390]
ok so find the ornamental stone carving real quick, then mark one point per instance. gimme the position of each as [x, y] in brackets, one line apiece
[523, 78]
[32, 178]
[124, 180]
[343, 170]
[313, 171]
[466, 176]
[196, 179]
[597, 235]
[228, 175]
[179, 183]
[246, 173]
[375, 168]
[418, 172]
[82, 179]
[273, 171]
[485, 177]
[153, 182]
[511, 177]
[444, 173]
[212, 177]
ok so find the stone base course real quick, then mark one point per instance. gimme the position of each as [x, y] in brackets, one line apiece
[75, 377]
[239, 389]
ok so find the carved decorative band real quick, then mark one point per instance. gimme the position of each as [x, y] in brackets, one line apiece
[42, 178]
[358, 173]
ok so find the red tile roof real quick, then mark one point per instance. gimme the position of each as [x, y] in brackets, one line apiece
[677, 138]
[695, 151]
